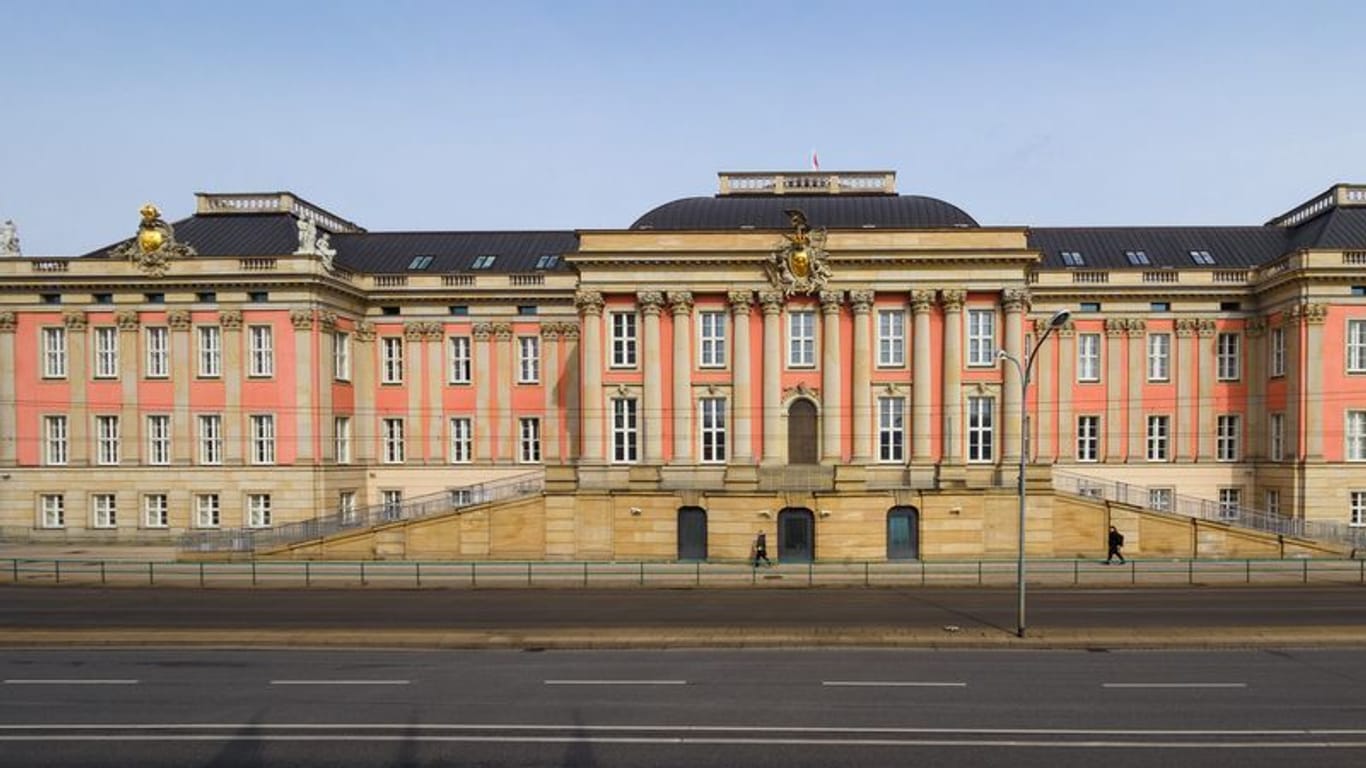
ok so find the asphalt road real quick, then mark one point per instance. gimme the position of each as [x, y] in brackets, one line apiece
[782, 707]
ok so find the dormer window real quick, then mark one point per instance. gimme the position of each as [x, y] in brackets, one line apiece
[1202, 257]
[1137, 258]
[547, 261]
[1072, 258]
[420, 262]
[483, 262]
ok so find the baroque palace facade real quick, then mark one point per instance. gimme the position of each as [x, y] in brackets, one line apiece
[810, 354]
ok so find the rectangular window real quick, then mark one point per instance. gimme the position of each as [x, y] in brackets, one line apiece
[462, 440]
[210, 351]
[346, 507]
[159, 439]
[53, 509]
[54, 353]
[460, 359]
[801, 339]
[104, 511]
[1277, 351]
[155, 510]
[623, 340]
[624, 430]
[158, 341]
[1088, 357]
[1227, 347]
[891, 429]
[391, 360]
[1357, 518]
[55, 441]
[1356, 435]
[528, 360]
[1159, 356]
[341, 439]
[263, 439]
[1088, 438]
[392, 430]
[106, 352]
[1159, 434]
[261, 351]
[529, 440]
[1226, 440]
[713, 420]
[341, 356]
[891, 338]
[1276, 437]
[1161, 499]
[1230, 503]
[210, 438]
[981, 442]
[1356, 346]
[206, 510]
[258, 510]
[392, 500]
[1273, 502]
[712, 338]
[1137, 258]
[107, 440]
[981, 337]
[1072, 258]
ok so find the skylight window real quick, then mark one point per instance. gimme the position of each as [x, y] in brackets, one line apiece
[1137, 258]
[420, 262]
[1072, 258]
[483, 262]
[547, 261]
[1202, 257]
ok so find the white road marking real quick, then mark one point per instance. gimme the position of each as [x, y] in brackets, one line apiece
[70, 682]
[889, 684]
[1174, 685]
[616, 682]
[339, 682]
[324, 727]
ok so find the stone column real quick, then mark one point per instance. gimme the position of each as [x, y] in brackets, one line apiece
[1016, 302]
[772, 406]
[1294, 368]
[952, 301]
[81, 449]
[483, 375]
[8, 407]
[1137, 329]
[571, 395]
[1116, 329]
[230, 320]
[434, 334]
[550, 378]
[1253, 437]
[832, 371]
[184, 366]
[862, 303]
[304, 385]
[651, 306]
[130, 353]
[922, 392]
[1043, 426]
[363, 423]
[327, 431]
[1314, 317]
[413, 426]
[1204, 398]
[507, 425]
[680, 307]
[742, 386]
[1067, 377]
[590, 305]
[1183, 365]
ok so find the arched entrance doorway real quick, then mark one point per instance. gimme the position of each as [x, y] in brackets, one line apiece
[692, 533]
[796, 535]
[801, 432]
[903, 533]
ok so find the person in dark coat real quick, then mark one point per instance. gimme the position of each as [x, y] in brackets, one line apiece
[761, 549]
[1116, 542]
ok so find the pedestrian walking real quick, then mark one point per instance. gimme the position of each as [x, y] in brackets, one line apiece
[1116, 543]
[761, 549]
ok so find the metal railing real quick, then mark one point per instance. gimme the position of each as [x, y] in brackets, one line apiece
[444, 502]
[1206, 509]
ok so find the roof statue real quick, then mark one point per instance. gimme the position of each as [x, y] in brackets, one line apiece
[326, 252]
[308, 238]
[9, 239]
[799, 264]
[155, 245]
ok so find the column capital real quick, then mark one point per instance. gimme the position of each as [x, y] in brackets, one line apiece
[502, 331]
[178, 319]
[483, 331]
[302, 319]
[570, 331]
[231, 320]
[861, 300]
[1205, 327]
[127, 320]
[1309, 314]
[741, 302]
[651, 302]
[922, 300]
[75, 321]
[1015, 299]
[1254, 327]
[413, 331]
[1136, 326]
[953, 299]
[7, 322]
[831, 301]
[680, 302]
[328, 320]
[550, 331]
[772, 302]
[433, 330]
[365, 330]
[589, 302]
[1116, 327]
[1185, 326]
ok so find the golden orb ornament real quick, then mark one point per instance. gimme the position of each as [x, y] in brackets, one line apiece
[150, 240]
[801, 263]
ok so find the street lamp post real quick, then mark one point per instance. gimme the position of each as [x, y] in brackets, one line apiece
[1055, 322]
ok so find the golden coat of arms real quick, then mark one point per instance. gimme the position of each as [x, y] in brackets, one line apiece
[154, 246]
[799, 265]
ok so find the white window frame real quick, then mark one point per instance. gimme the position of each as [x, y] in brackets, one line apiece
[1228, 357]
[158, 439]
[1162, 499]
[392, 432]
[341, 356]
[1088, 357]
[625, 430]
[462, 440]
[981, 331]
[1356, 513]
[52, 510]
[1227, 437]
[260, 351]
[1354, 427]
[1276, 437]
[391, 503]
[1272, 502]
[104, 510]
[156, 510]
[106, 352]
[1277, 341]
[346, 507]
[711, 338]
[711, 420]
[891, 429]
[259, 511]
[208, 510]
[891, 338]
[210, 430]
[1158, 437]
[981, 429]
[624, 339]
[1356, 346]
[262, 438]
[529, 440]
[209, 339]
[1088, 438]
[54, 352]
[1159, 357]
[460, 359]
[1230, 502]
[56, 440]
[107, 440]
[341, 439]
[801, 339]
[157, 341]
[391, 359]
[528, 359]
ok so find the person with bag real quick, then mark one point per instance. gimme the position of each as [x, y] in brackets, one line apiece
[1116, 542]
[761, 549]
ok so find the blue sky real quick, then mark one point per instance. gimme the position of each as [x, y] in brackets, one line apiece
[549, 115]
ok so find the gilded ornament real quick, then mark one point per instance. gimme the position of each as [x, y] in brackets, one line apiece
[799, 264]
[154, 246]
